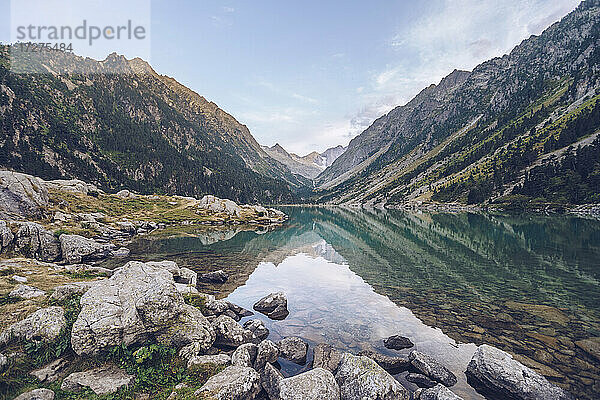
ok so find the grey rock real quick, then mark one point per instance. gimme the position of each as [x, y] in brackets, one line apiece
[316, 384]
[6, 236]
[438, 392]
[233, 383]
[26, 292]
[361, 378]
[245, 355]
[33, 241]
[270, 379]
[267, 352]
[84, 269]
[102, 380]
[220, 360]
[431, 368]
[326, 357]
[230, 333]
[74, 186]
[77, 249]
[20, 279]
[37, 394]
[50, 372]
[420, 380]
[180, 274]
[393, 365]
[215, 204]
[397, 342]
[137, 303]
[126, 194]
[293, 349]
[257, 327]
[21, 195]
[495, 372]
[273, 306]
[218, 277]
[3, 362]
[43, 325]
[121, 252]
[67, 290]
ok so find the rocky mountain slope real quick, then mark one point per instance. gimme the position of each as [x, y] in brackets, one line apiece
[521, 128]
[308, 166]
[135, 129]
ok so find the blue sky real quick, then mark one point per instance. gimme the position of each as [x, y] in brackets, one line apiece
[313, 74]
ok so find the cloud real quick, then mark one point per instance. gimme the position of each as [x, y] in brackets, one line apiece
[305, 99]
[228, 9]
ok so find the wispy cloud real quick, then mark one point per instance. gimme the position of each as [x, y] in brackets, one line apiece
[305, 99]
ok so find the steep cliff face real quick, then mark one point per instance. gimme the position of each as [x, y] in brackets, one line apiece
[136, 129]
[475, 136]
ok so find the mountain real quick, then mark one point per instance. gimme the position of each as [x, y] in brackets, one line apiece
[70, 117]
[522, 128]
[308, 166]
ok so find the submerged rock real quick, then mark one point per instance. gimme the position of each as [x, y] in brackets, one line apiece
[326, 357]
[494, 372]
[293, 349]
[43, 325]
[393, 365]
[361, 378]
[77, 249]
[431, 368]
[316, 384]
[233, 383]
[102, 380]
[218, 277]
[397, 342]
[273, 306]
[420, 380]
[37, 394]
[439, 392]
[137, 303]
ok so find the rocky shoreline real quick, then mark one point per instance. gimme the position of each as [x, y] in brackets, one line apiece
[106, 336]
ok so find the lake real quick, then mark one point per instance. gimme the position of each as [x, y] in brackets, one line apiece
[528, 284]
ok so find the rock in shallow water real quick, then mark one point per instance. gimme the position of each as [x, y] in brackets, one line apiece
[233, 383]
[293, 349]
[393, 365]
[273, 306]
[495, 373]
[420, 380]
[326, 357]
[230, 333]
[397, 342]
[218, 277]
[431, 368]
[316, 384]
[102, 380]
[360, 378]
[257, 327]
[439, 392]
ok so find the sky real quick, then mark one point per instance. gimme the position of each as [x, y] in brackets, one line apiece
[314, 74]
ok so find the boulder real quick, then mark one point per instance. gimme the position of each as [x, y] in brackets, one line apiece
[397, 342]
[103, 380]
[180, 274]
[439, 392]
[126, 194]
[121, 252]
[257, 327]
[221, 360]
[360, 377]
[6, 236]
[230, 333]
[50, 372]
[391, 364]
[22, 196]
[420, 380]
[73, 185]
[33, 241]
[223, 307]
[217, 277]
[43, 325]
[215, 204]
[67, 290]
[26, 292]
[138, 302]
[494, 372]
[245, 355]
[77, 249]
[316, 384]
[37, 394]
[431, 368]
[270, 379]
[293, 349]
[233, 383]
[273, 306]
[267, 352]
[326, 357]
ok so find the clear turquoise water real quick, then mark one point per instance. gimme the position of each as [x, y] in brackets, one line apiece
[447, 281]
